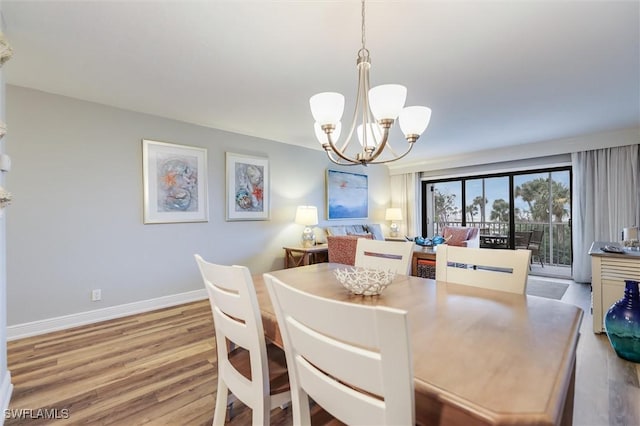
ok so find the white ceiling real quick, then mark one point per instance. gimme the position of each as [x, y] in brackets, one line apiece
[495, 74]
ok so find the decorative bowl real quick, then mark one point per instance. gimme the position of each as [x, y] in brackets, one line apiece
[364, 281]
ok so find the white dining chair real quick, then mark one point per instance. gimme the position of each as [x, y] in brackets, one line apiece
[495, 269]
[353, 360]
[386, 255]
[254, 372]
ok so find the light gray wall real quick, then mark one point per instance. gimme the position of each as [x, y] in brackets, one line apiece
[76, 221]
[4, 373]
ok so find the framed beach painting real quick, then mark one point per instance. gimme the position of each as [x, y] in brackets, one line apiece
[247, 187]
[347, 195]
[175, 183]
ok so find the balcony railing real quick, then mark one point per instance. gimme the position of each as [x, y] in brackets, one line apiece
[556, 241]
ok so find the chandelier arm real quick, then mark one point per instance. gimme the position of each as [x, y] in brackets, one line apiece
[350, 162]
[362, 70]
[381, 146]
[390, 148]
[364, 87]
[395, 158]
[386, 125]
[341, 161]
[337, 151]
[333, 160]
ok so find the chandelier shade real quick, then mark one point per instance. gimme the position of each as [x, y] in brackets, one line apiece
[376, 110]
[373, 136]
[386, 101]
[414, 120]
[327, 107]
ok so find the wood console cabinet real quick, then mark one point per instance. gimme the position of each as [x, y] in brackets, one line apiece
[608, 272]
[423, 263]
[302, 256]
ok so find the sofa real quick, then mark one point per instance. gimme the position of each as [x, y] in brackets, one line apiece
[374, 230]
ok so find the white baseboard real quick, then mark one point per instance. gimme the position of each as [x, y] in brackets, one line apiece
[6, 388]
[35, 328]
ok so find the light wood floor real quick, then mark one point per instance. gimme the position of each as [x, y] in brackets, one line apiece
[160, 368]
[607, 387]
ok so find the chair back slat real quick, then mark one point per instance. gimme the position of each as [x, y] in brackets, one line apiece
[385, 255]
[495, 269]
[330, 354]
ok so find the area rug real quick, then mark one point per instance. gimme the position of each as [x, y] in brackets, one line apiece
[548, 289]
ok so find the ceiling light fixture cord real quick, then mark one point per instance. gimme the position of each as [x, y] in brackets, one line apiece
[363, 38]
[375, 112]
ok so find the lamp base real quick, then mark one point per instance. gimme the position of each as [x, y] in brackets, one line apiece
[393, 230]
[308, 237]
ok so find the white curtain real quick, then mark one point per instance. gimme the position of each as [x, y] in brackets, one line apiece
[606, 198]
[404, 194]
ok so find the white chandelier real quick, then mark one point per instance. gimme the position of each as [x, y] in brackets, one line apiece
[376, 109]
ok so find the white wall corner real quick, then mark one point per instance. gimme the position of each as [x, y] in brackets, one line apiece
[20, 331]
[6, 388]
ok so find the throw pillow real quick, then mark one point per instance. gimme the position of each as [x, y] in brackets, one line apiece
[363, 234]
[376, 230]
[336, 230]
[456, 237]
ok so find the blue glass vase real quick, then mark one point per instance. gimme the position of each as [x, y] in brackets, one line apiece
[622, 323]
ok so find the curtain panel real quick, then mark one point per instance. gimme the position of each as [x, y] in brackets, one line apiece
[606, 198]
[404, 194]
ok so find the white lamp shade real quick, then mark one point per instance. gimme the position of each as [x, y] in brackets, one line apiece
[374, 134]
[307, 215]
[322, 136]
[393, 214]
[327, 107]
[387, 100]
[414, 120]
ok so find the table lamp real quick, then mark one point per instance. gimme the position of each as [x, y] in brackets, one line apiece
[308, 217]
[393, 214]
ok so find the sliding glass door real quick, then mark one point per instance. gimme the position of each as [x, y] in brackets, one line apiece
[543, 204]
[487, 206]
[512, 210]
[445, 204]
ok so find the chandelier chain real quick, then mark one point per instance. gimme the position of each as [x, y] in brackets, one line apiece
[363, 37]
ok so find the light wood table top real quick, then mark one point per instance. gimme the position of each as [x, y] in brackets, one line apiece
[480, 356]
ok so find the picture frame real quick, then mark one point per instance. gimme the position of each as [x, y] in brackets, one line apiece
[248, 187]
[347, 195]
[174, 183]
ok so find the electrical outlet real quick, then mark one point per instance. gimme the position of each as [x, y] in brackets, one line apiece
[96, 295]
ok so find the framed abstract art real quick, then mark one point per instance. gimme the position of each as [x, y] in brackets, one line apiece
[247, 187]
[175, 183]
[347, 195]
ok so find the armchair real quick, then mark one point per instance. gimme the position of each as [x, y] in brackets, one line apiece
[342, 248]
[534, 244]
[462, 236]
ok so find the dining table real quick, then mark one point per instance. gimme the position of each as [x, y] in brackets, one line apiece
[480, 357]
